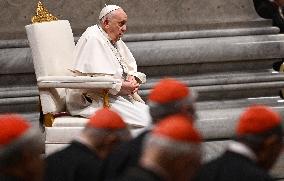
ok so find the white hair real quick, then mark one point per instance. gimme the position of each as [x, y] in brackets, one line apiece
[96, 132]
[107, 12]
[158, 110]
[172, 146]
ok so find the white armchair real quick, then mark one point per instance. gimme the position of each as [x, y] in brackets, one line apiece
[52, 45]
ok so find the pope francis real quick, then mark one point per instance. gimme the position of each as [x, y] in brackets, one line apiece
[100, 51]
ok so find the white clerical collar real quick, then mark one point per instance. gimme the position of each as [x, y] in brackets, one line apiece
[242, 149]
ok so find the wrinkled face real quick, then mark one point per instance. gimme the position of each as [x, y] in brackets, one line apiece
[115, 25]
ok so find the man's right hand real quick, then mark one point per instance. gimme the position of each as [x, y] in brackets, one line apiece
[128, 88]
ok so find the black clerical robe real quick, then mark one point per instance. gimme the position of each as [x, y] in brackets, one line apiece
[74, 163]
[232, 166]
[140, 174]
[125, 156]
[9, 178]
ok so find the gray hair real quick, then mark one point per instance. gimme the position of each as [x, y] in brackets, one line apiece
[255, 141]
[175, 148]
[106, 17]
[159, 111]
[96, 132]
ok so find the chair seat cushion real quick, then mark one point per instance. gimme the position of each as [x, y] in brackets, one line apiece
[69, 121]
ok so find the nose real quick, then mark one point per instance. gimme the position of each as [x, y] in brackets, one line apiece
[123, 28]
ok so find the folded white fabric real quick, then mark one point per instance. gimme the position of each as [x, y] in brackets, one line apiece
[75, 79]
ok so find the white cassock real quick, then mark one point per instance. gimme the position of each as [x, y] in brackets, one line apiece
[93, 54]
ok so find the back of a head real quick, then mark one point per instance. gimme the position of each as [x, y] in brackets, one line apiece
[260, 128]
[105, 124]
[170, 96]
[18, 142]
[258, 120]
[178, 131]
[106, 119]
[174, 145]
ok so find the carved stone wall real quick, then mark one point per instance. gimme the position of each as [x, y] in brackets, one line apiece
[160, 16]
[220, 48]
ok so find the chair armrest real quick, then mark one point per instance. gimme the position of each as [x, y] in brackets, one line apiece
[77, 82]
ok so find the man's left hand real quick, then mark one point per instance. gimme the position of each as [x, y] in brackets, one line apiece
[132, 79]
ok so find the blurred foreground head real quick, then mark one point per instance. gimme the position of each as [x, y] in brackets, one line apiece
[104, 131]
[21, 147]
[170, 96]
[259, 127]
[173, 149]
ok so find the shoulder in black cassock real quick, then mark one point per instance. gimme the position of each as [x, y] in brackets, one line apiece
[8, 178]
[140, 174]
[74, 163]
[125, 156]
[232, 167]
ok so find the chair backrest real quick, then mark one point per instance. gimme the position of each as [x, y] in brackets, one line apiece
[52, 45]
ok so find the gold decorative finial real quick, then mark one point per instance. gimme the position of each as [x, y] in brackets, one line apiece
[42, 15]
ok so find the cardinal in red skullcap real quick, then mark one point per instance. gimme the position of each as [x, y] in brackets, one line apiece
[257, 145]
[21, 147]
[83, 158]
[168, 97]
[177, 128]
[171, 152]
[106, 119]
[256, 120]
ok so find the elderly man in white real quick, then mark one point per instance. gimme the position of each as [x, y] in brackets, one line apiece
[100, 51]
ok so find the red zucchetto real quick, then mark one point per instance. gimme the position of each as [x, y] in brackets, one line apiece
[168, 90]
[12, 127]
[257, 119]
[178, 128]
[106, 119]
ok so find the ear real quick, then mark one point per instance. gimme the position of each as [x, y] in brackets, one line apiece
[106, 23]
[269, 152]
[270, 141]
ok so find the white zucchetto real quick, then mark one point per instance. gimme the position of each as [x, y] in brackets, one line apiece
[107, 9]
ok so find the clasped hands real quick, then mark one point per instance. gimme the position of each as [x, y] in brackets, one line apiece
[129, 86]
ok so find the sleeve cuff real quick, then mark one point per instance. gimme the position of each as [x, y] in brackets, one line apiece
[116, 89]
[139, 75]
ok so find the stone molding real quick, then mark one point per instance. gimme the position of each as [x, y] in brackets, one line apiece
[163, 16]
